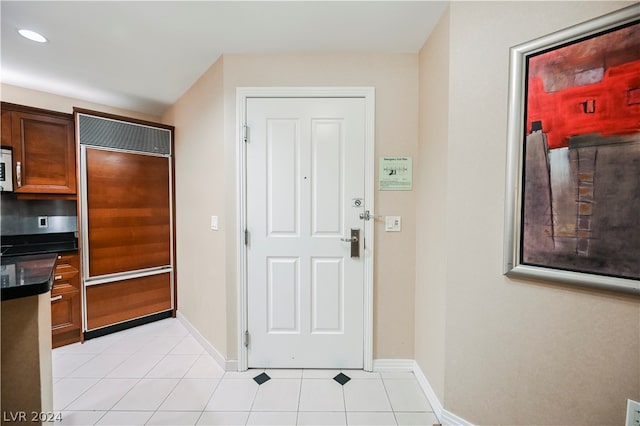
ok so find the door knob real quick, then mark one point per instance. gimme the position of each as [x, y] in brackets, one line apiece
[355, 242]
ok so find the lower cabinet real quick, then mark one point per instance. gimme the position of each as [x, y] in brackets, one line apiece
[66, 311]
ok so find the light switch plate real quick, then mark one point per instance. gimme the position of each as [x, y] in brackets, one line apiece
[393, 223]
[214, 223]
[633, 413]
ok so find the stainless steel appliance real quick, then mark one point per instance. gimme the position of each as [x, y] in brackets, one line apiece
[6, 169]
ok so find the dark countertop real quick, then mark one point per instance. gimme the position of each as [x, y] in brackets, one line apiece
[17, 245]
[28, 275]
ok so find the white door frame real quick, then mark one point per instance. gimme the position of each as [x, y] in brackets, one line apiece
[242, 94]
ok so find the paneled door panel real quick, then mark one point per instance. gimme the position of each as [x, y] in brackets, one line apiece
[128, 209]
[305, 166]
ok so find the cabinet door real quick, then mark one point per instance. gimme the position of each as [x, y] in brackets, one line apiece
[66, 320]
[6, 128]
[43, 154]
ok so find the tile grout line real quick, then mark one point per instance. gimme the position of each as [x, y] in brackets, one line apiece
[386, 391]
[179, 378]
[139, 379]
[299, 398]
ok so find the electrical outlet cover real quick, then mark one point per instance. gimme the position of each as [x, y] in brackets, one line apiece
[393, 223]
[633, 413]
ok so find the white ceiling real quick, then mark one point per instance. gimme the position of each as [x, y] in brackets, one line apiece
[143, 55]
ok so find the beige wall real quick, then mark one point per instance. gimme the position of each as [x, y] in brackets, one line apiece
[431, 205]
[200, 194]
[34, 98]
[206, 184]
[516, 351]
[395, 80]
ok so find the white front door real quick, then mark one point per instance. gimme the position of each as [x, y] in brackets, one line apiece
[305, 192]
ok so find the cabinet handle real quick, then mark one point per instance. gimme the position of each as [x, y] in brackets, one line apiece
[55, 298]
[19, 173]
[58, 277]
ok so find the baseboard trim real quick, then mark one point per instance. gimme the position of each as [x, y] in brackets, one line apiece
[446, 418]
[226, 365]
[393, 364]
[436, 405]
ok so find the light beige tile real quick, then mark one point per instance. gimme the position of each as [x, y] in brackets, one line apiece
[361, 374]
[160, 344]
[323, 418]
[416, 419]
[125, 418]
[65, 363]
[103, 395]
[66, 390]
[406, 395]
[99, 366]
[137, 366]
[175, 366]
[278, 395]
[366, 395]
[321, 395]
[79, 418]
[188, 346]
[174, 418]
[147, 394]
[371, 419]
[272, 419]
[223, 418]
[190, 395]
[205, 367]
[233, 395]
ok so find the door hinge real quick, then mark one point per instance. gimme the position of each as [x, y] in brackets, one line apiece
[245, 130]
[246, 237]
[246, 339]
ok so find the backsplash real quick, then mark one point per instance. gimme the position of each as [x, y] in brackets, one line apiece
[23, 216]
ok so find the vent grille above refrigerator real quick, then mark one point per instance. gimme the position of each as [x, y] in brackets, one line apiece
[108, 133]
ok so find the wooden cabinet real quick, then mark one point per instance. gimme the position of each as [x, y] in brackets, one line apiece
[44, 155]
[66, 318]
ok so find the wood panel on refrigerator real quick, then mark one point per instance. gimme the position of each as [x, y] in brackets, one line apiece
[129, 211]
[120, 301]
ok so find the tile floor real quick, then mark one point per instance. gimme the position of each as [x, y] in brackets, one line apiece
[158, 374]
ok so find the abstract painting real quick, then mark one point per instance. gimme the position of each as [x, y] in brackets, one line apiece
[575, 155]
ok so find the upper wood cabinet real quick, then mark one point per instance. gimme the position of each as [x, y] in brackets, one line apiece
[44, 155]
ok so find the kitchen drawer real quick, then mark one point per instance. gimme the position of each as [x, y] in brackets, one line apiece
[66, 320]
[68, 260]
[66, 276]
[66, 304]
[65, 286]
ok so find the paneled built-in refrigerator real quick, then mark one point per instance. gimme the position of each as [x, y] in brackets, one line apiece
[127, 233]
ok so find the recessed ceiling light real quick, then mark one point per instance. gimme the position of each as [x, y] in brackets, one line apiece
[33, 36]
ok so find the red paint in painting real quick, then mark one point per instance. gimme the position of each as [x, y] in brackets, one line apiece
[608, 107]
